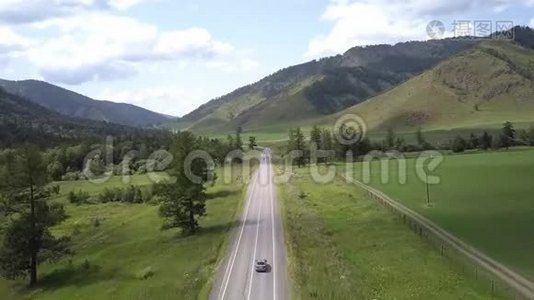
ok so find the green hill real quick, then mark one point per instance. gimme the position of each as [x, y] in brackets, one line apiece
[23, 121]
[75, 105]
[482, 87]
[320, 87]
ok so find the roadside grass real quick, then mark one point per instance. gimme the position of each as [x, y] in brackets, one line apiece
[121, 253]
[113, 182]
[485, 199]
[343, 245]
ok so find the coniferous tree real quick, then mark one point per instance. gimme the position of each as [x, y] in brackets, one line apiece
[315, 136]
[327, 143]
[252, 142]
[474, 141]
[507, 136]
[27, 240]
[486, 141]
[530, 134]
[390, 139]
[183, 202]
[238, 140]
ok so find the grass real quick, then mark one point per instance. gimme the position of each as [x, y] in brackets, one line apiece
[485, 199]
[113, 182]
[342, 245]
[125, 255]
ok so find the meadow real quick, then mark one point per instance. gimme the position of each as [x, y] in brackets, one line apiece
[121, 253]
[343, 245]
[485, 199]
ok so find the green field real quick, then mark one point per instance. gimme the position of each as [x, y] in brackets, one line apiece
[486, 199]
[112, 258]
[342, 245]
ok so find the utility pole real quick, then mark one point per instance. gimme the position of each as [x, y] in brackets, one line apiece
[428, 187]
[427, 192]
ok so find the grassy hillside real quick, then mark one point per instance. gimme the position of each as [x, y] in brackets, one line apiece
[75, 105]
[320, 87]
[482, 87]
[471, 87]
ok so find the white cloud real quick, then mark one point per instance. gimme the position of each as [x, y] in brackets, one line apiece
[190, 42]
[169, 100]
[28, 11]
[232, 66]
[124, 4]
[10, 41]
[363, 24]
[99, 46]
[531, 23]
[366, 22]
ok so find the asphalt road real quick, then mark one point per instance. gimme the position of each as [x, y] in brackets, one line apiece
[259, 235]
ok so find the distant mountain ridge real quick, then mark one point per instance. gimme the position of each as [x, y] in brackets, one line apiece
[23, 121]
[73, 104]
[321, 87]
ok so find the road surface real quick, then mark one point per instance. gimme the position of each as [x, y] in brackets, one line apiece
[259, 235]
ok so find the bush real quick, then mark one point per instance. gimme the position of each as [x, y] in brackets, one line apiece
[131, 194]
[145, 273]
[458, 145]
[73, 176]
[78, 198]
[55, 189]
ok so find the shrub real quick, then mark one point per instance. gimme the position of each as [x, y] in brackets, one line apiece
[458, 145]
[145, 273]
[79, 197]
[131, 194]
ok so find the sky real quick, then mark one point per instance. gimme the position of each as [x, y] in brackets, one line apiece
[170, 56]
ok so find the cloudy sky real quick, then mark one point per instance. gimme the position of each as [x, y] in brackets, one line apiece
[171, 56]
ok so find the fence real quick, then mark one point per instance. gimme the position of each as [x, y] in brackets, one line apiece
[501, 281]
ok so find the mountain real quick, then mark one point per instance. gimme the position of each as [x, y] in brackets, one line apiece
[75, 105]
[480, 88]
[321, 87]
[23, 121]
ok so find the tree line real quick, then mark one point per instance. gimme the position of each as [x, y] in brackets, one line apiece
[325, 140]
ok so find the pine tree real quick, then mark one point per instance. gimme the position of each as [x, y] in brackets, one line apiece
[507, 136]
[530, 133]
[252, 142]
[327, 143]
[183, 202]
[474, 141]
[238, 140]
[300, 146]
[390, 139]
[486, 141]
[27, 241]
[315, 137]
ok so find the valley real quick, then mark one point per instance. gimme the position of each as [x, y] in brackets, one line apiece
[249, 195]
